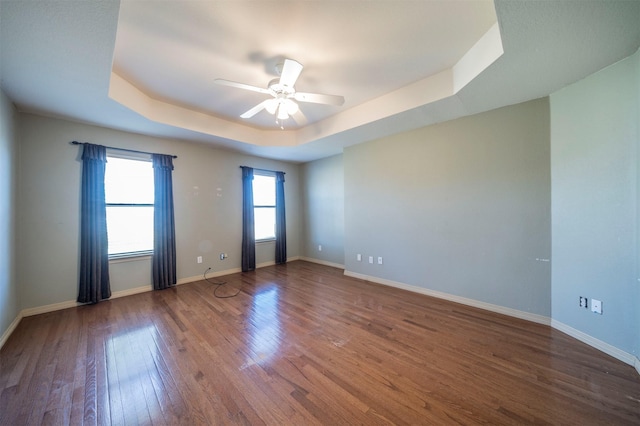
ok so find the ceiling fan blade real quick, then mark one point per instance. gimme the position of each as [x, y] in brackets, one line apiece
[317, 98]
[241, 86]
[290, 72]
[299, 118]
[256, 109]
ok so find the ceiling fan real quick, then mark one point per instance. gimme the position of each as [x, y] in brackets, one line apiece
[283, 104]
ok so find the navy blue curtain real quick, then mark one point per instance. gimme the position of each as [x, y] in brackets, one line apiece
[281, 223]
[248, 226]
[164, 229]
[94, 255]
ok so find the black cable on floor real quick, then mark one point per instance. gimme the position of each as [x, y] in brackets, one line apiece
[218, 284]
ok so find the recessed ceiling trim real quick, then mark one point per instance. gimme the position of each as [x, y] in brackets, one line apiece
[426, 91]
[485, 52]
[125, 93]
[431, 89]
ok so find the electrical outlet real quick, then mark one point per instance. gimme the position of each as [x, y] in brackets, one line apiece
[359, 257]
[199, 259]
[379, 260]
[596, 306]
[223, 256]
[370, 259]
[319, 247]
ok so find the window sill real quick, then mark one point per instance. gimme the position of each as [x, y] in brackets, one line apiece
[269, 240]
[130, 257]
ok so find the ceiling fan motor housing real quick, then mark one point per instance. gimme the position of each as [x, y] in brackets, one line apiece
[280, 88]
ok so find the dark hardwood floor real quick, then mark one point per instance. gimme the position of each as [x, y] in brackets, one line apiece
[303, 344]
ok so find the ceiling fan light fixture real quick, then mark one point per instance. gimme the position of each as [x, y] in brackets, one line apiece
[284, 104]
[271, 106]
[282, 112]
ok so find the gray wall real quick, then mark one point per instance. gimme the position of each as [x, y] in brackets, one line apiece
[461, 207]
[594, 158]
[9, 302]
[323, 207]
[207, 196]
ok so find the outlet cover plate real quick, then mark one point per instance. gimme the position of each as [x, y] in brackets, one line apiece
[596, 306]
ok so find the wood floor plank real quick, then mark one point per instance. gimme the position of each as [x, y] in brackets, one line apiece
[79, 371]
[35, 391]
[58, 405]
[302, 344]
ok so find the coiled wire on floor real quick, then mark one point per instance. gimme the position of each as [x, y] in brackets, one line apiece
[218, 285]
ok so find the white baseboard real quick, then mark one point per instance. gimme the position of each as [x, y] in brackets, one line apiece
[116, 294]
[598, 344]
[131, 291]
[213, 274]
[210, 274]
[49, 308]
[12, 326]
[577, 334]
[273, 262]
[617, 353]
[263, 264]
[322, 262]
[540, 319]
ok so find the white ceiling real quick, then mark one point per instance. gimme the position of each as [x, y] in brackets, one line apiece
[148, 66]
[173, 51]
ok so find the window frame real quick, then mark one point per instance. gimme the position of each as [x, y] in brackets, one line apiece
[265, 206]
[143, 157]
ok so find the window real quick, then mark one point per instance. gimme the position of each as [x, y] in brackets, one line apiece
[264, 205]
[129, 197]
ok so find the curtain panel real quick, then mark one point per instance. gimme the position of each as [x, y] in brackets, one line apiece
[164, 233]
[281, 223]
[93, 283]
[248, 227]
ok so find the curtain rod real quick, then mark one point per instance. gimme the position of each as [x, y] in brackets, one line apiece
[120, 149]
[264, 170]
